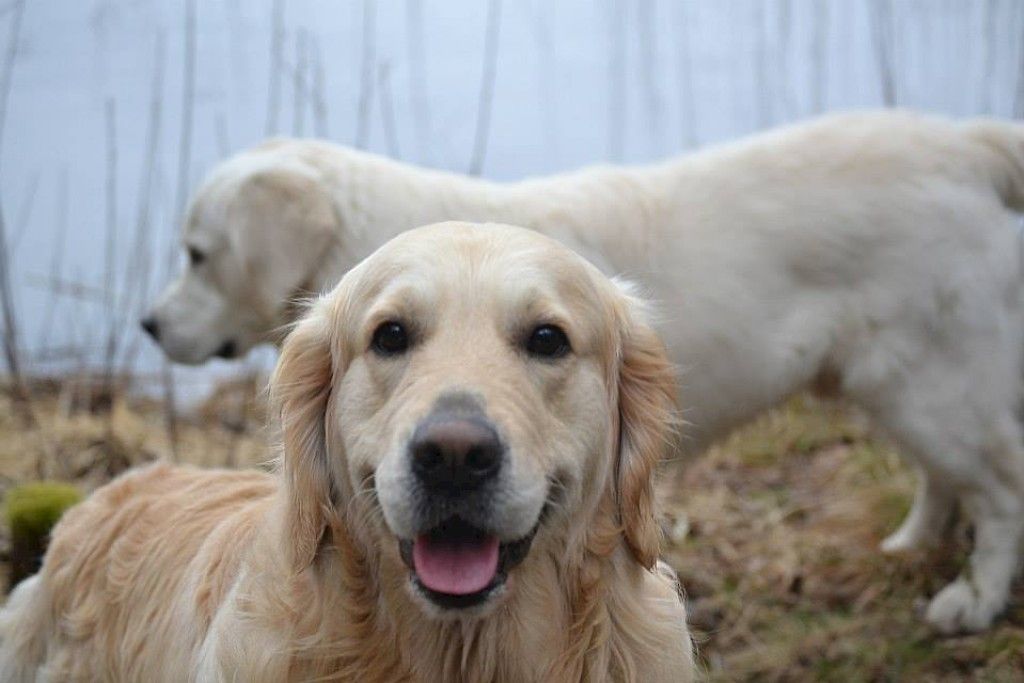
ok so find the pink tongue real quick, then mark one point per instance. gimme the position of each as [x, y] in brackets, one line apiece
[455, 567]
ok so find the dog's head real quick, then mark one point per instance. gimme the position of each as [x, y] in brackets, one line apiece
[254, 234]
[465, 393]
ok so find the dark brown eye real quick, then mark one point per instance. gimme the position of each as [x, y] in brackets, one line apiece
[195, 256]
[548, 341]
[390, 339]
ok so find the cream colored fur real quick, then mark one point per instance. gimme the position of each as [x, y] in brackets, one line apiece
[876, 255]
[179, 574]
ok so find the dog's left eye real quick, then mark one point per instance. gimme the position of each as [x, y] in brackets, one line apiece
[195, 256]
[548, 341]
[390, 339]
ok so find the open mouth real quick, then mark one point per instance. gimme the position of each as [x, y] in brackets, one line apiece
[458, 565]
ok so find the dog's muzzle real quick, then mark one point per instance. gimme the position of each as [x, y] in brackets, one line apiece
[457, 560]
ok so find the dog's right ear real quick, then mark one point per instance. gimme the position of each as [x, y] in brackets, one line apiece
[299, 391]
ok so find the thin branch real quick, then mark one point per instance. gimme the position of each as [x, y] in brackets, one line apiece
[223, 138]
[648, 40]
[137, 278]
[57, 254]
[617, 81]
[687, 102]
[25, 214]
[417, 58]
[10, 318]
[547, 77]
[110, 253]
[276, 59]
[68, 288]
[484, 103]
[188, 91]
[881, 30]
[184, 163]
[387, 110]
[764, 87]
[819, 57]
[319, 98]
[299, 75]
[784, 19]
[10, 58]
[1018, 107]
[368, 70]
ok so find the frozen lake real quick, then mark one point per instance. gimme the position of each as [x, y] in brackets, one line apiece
[102, 143]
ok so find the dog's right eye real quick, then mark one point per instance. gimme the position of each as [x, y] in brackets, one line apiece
[195, 257]
[390, 339]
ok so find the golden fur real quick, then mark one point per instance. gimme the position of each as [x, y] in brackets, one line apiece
[175, 573]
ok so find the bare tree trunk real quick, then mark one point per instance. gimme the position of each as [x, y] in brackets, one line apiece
[369, 69]
[881, 29]
[418, 78]
[617, 81]
[483, 108]
[11, 337]
[276, 59]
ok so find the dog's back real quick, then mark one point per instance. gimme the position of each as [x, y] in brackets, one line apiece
[133, 576]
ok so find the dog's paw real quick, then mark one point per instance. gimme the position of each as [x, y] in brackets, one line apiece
[961, 608]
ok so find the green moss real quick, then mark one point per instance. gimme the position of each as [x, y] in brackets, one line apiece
[32, 509]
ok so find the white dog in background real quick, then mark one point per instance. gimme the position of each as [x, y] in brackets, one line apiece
[875, 255]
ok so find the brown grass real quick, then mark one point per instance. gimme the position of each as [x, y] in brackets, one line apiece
[778, 530]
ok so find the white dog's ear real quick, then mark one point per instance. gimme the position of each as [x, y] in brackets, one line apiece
[300, 389]
[648, 416]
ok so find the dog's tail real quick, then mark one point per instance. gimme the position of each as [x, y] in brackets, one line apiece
[1005, 140]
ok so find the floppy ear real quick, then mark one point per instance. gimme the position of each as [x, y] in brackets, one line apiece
[300, 389]
[648, 416]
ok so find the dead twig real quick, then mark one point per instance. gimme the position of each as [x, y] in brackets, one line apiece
[486, 99]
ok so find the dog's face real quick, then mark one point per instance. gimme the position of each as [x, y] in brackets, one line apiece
[467, 384]
[252, 238]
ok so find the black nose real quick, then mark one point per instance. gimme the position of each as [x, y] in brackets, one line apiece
[455, 455]
[227, 350]
[151, 327]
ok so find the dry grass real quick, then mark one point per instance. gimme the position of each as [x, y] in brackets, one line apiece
[781, 563]
[779, 528]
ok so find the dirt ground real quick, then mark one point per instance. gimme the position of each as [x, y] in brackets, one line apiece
[775, 531]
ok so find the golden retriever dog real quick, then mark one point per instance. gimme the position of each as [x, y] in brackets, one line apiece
[470, 423]
[876, 255]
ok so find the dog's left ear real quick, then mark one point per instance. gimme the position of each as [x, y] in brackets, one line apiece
[648, 416]
[299, 390]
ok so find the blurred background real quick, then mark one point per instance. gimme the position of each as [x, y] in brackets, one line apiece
[111, 112]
